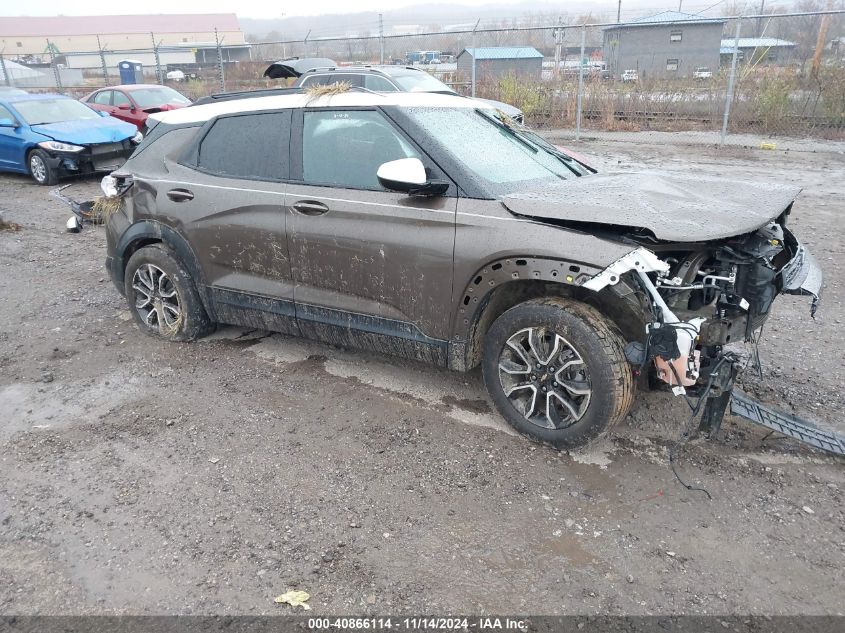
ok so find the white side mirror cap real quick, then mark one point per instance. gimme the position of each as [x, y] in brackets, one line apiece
[402, 174]
[73, 224]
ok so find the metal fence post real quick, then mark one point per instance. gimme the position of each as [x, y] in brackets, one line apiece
[6, 79]
[103, 62]
[57, 75]
[305, 43]
[159, 78]
[731, 81]
[380, 39]
[580, 83]
[474, 53]
[220, 74]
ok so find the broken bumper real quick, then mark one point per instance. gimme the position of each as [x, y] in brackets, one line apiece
[802, 275]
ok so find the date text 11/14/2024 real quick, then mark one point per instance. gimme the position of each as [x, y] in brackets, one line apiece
[418, 623]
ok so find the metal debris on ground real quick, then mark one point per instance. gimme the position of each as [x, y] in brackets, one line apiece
[294, 598]
[786, 424]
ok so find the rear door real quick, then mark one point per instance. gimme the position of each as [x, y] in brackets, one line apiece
[228, 192]
[373, 268]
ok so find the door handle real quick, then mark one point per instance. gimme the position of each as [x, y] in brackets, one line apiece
[180, 195]
[310, 207]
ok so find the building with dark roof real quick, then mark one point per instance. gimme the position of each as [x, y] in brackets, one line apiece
[668, 44]
[498, 61]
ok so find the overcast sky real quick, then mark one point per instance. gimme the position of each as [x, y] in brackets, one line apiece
[244, 8]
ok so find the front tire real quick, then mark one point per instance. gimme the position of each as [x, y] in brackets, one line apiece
[40, 169]
[162, 297]
[556, 371]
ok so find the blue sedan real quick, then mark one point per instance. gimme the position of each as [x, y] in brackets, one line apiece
[49, 136]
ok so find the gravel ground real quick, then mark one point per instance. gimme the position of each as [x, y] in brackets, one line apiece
[141, 477]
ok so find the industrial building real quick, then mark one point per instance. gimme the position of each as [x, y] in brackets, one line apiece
[497, 61]
[668, 44]
[759, 50]
[75, 41]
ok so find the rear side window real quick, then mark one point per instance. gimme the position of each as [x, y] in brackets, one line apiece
[250, 146]
[102, 98]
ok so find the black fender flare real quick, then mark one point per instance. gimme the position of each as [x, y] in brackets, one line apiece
[152, 231]
[497, 272]
[478, 290]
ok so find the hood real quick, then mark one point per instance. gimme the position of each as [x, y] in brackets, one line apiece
[294, 67]
[674, 208]
[87, 131]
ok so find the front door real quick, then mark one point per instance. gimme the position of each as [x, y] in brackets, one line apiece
[373, 268]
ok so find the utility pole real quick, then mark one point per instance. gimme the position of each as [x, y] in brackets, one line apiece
[760, 19]
[558, 45]
[817, 56]
[619, 12]
[380, 39]
[680, 5]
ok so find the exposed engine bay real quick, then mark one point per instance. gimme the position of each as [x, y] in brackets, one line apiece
[704, 296]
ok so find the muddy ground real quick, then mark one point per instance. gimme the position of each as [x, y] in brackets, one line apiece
[146, 477]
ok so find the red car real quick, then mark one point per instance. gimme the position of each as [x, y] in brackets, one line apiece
[134, 103]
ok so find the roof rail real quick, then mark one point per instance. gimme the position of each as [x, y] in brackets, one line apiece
[245, 94]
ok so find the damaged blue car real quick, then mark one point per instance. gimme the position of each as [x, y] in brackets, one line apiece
[51, 136]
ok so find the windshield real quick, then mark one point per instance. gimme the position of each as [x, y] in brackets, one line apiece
[502, 158]
[421, 82]
[148, 97]
[55, 110]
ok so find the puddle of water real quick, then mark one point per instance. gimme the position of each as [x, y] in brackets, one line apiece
[436, 387]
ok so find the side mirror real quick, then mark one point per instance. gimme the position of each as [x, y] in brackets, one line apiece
[407, 175]
[8, 123]
[124, 106]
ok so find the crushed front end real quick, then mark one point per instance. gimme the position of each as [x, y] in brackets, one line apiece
[701, 297]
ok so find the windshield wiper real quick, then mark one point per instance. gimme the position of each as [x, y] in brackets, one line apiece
[497, 121]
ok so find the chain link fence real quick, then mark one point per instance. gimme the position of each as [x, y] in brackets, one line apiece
[707, 79]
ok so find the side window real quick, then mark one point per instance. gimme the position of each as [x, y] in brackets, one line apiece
[5, 114]
[344, 148]
[377, 83]
[348, 78]
[316, 80]
[102, 98]
[250, 146]
[120, 98]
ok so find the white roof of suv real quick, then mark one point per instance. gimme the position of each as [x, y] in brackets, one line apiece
[353, 98]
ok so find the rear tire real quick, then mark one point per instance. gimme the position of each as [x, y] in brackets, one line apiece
[162, 296]
[40, 169]
[555, 370]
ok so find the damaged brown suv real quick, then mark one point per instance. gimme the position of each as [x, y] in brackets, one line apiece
[433, 228]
